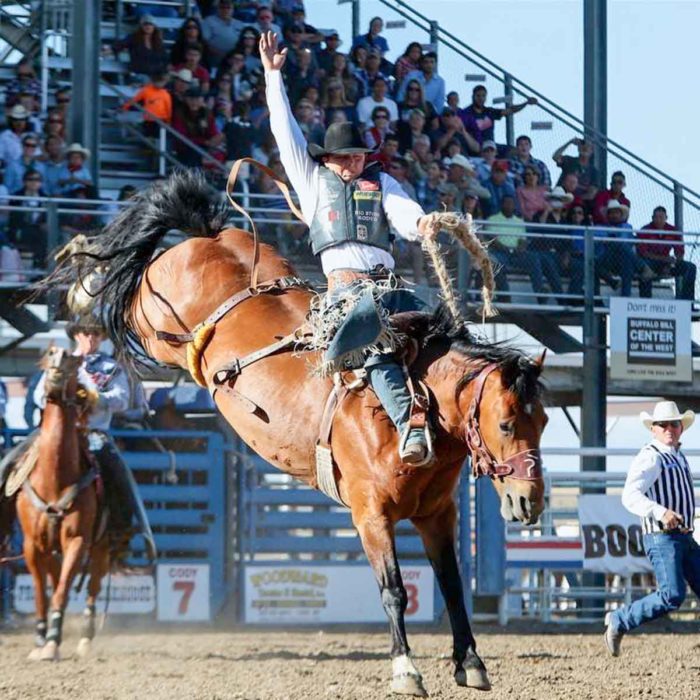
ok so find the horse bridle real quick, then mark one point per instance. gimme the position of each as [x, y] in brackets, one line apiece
[525, 465]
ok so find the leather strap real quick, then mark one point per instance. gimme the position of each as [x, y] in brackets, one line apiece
[282, 186]
[420, 403]
[59, 508]
[335, 398]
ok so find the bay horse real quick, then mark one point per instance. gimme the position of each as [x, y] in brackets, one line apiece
[58, 510]
[484, 398]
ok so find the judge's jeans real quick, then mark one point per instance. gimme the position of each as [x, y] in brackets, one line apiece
[386, 377]
[675, 557]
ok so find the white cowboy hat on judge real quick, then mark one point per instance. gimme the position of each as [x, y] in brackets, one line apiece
[667, 411]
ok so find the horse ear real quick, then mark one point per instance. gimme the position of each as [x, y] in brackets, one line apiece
[540, 360]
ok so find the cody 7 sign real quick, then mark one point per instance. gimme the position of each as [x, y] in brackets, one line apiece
[183, 592]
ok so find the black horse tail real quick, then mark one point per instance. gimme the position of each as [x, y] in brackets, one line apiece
[184, 203]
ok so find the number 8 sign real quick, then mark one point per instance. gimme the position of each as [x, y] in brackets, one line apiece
[183, 592]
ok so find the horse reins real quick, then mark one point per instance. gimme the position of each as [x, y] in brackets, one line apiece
[525, 465]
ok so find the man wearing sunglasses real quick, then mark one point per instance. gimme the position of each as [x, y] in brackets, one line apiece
[659, 489]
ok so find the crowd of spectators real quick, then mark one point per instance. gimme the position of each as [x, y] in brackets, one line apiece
[206, 82]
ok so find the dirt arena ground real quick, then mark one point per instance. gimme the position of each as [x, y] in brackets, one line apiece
[270, 665]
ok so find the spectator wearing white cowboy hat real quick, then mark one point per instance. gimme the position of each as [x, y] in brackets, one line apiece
[11, 137]
[462, 174]
[659, 489]
[75, 174]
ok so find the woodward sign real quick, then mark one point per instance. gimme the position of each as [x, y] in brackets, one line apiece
[650, 339]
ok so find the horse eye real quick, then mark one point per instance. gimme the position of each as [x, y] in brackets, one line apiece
[506, 428]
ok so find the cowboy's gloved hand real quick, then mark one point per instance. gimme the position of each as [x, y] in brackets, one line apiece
[271, 58]
[429, 226]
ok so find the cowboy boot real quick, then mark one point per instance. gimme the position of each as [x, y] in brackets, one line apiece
[387, 379]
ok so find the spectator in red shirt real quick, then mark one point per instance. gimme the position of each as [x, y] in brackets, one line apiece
[193, 63]
[658, 256]
[600, 203]
[196, 122]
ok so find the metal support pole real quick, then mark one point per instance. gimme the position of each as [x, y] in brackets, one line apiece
[595, 79]
[85, 101]
[162, 136]
[435, 35]
[355, 18]
[678, 205]
[510, 123]
[53, 233]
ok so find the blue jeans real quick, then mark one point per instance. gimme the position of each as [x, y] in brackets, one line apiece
[676, 559]
[537, 264]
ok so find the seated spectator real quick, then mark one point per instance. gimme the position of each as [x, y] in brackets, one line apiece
[600, 203]
[657, 256]
[377, 98]
[570, 185]
[53, 163]
[312, 95]
[25, 81]
[265, 21]
[295, 47]
[381, 126]
[618, 256]
[358, 59]
[484, 163]
[74, 173]
[409, 61]
[387, 151]
[239, 132]
[420, 157]
[29, 160]
[189, 33]
[283, 9]
[157, 102]
[531, 195]
[233, 63]
[373, 40]
[453, 101]
[452, 129]
[63, 98]
[30, 102]
[408, 132]
[415, 99]
[11, 137]
[326, 57]
[55, 125]
[196, 123]
[222, 89]
[193, 63]
[510, 249]
[27, 229]
[147, 54]
[427, 189]
[471, 204]
[247, 46]
[499, 187]
[351, 84]
[398, 169]
[310, 36]
[304, 113]
[582, 166]
[182, 82]
[523, 159]
[221, 31]
[433, 84]
[87, 221]
[462, 175]
[302, 76]
[573, 265]
[479, 120]
[333, 99]
[371, 71]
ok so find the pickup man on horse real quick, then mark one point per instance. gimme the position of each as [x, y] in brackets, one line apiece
[352, 208]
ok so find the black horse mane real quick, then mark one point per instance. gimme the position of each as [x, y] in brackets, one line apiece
[183, 203]
[519, 373]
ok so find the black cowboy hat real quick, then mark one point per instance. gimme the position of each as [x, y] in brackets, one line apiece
[83, 323]
[340, 140]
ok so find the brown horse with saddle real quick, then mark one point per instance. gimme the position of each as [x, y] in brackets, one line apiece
[58, 506]
[194, 306]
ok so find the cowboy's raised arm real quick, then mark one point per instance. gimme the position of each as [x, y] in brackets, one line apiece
[299, 166]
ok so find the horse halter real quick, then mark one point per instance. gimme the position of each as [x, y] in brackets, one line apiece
[526, 465]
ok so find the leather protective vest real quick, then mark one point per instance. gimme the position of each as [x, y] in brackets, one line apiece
[350, 211]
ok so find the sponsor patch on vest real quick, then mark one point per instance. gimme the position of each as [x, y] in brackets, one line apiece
[333, 215]
[362, 233]
[366, 195]
[368, 185]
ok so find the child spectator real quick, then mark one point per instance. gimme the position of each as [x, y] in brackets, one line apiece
[156, 101]
[147, 53]
[373, 40]
[189, 33]
[193, 63]
[409, 61]
[600, 203]
[523, 159]
[197, 124]
[74, 173]
[453, 101]
[11, 137]
[15, 169]
[433, 84]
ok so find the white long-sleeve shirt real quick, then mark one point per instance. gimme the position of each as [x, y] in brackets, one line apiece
[303, 173]
[658, 480]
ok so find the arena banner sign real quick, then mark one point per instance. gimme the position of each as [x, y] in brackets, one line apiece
[183, 592]
[650, 339]
[611, 537]
[301, 594]
[128, 595]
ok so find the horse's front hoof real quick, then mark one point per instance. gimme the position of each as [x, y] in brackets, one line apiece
[35, 654]
[49, 652]
[473, 678]
[84, 647]
[408, 684]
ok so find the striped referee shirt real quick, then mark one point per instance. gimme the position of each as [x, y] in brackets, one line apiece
[659, 479]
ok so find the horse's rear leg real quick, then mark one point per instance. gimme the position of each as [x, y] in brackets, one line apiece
[99, 566]
[377, 534]
[38, 570]
[437, 533]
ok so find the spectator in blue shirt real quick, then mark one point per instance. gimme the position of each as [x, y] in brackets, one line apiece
[433, 84]
[14, 173]
[74, 174]
[373, 40]
[499, 187]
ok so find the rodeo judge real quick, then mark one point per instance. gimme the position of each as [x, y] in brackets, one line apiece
[351, 208]
[107, 377]
[659, 489]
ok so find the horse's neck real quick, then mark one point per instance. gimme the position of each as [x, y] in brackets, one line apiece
[58, 464]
